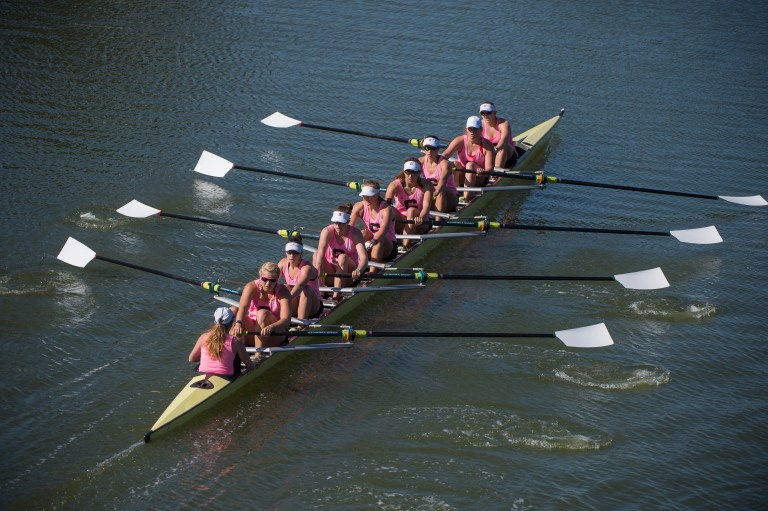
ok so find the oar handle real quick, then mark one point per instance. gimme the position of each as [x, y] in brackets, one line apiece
[353, 185]
[410, 141]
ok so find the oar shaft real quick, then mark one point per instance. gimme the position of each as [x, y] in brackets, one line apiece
[553, 179]
[299, 176]
[443, 276]
[576, 229]
[376, 333]
[218, 222]
[213, 287]
[359, 133]
[194, 282]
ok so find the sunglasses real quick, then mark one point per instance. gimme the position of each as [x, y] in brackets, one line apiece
[412, 172]
[291, 252]
[486, 113]
[268, 280]
[430, 148]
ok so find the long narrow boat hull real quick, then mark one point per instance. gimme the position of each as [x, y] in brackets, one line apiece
[202, 391]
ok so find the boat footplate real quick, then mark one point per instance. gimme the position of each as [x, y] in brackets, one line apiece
[202, 384]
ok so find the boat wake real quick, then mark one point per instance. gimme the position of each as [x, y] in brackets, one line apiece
[99, 218]
[477, 427]
[670, 310]
[608, 376]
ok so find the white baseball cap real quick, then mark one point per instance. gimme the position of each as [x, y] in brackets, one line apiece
[487, 107]
[369, 191]
[412, 166]
[474, 122]
[340, 216]
[431, 142]
[292, 245]
[223, 315]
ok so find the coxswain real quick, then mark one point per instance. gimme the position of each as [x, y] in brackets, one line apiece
[219, 352]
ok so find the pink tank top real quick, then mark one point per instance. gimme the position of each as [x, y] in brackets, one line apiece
[403, 201]
[497, 136]
[313, 284]
[273, 305]
[434, 177]
[336, 247]
[372, 225]
[478, 158]
[226, 365]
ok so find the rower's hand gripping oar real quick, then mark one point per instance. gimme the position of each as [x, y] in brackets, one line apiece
[278, 120]
[216, 166]
[646, 279]
[699, 236]
[593, 336]
[754, 200]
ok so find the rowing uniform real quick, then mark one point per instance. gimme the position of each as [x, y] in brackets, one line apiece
[372, 225]
[497, 137]
[434, 177]
[403, 200]
[223, 366]
[336, 247]
[257, 303]
[313, 284]
[478, 158]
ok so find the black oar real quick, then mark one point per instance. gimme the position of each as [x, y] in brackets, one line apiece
[136, 209]
[593, 336]
[216, 166]
[647, 279]
[754, 200]
[77, 254]
[700, 236]
[278, 120]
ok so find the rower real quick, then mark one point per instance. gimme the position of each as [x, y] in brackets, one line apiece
[379, 223]
[497, 131]
[438, 171]
[411, 195]
[474, 153]
[265, 307]
[217, 351]
[341, 249]
[302, 280]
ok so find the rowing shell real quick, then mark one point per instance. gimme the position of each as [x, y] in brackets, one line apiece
[203, 391]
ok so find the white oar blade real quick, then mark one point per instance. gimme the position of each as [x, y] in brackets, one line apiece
[75, 253]
[278, 120]
[594, 336]
[647, 279]
[701, 236]
[754, 200]
[212, 165]
[136, 209]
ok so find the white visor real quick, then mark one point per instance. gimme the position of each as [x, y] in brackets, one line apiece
[340, 216]
[369, 191]
[292, 245]
[487, 107]
[474, 122]
[411, 165]
[430, 141]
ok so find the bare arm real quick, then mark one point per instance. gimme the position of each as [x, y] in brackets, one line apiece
[194, 355]
[239, 348]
